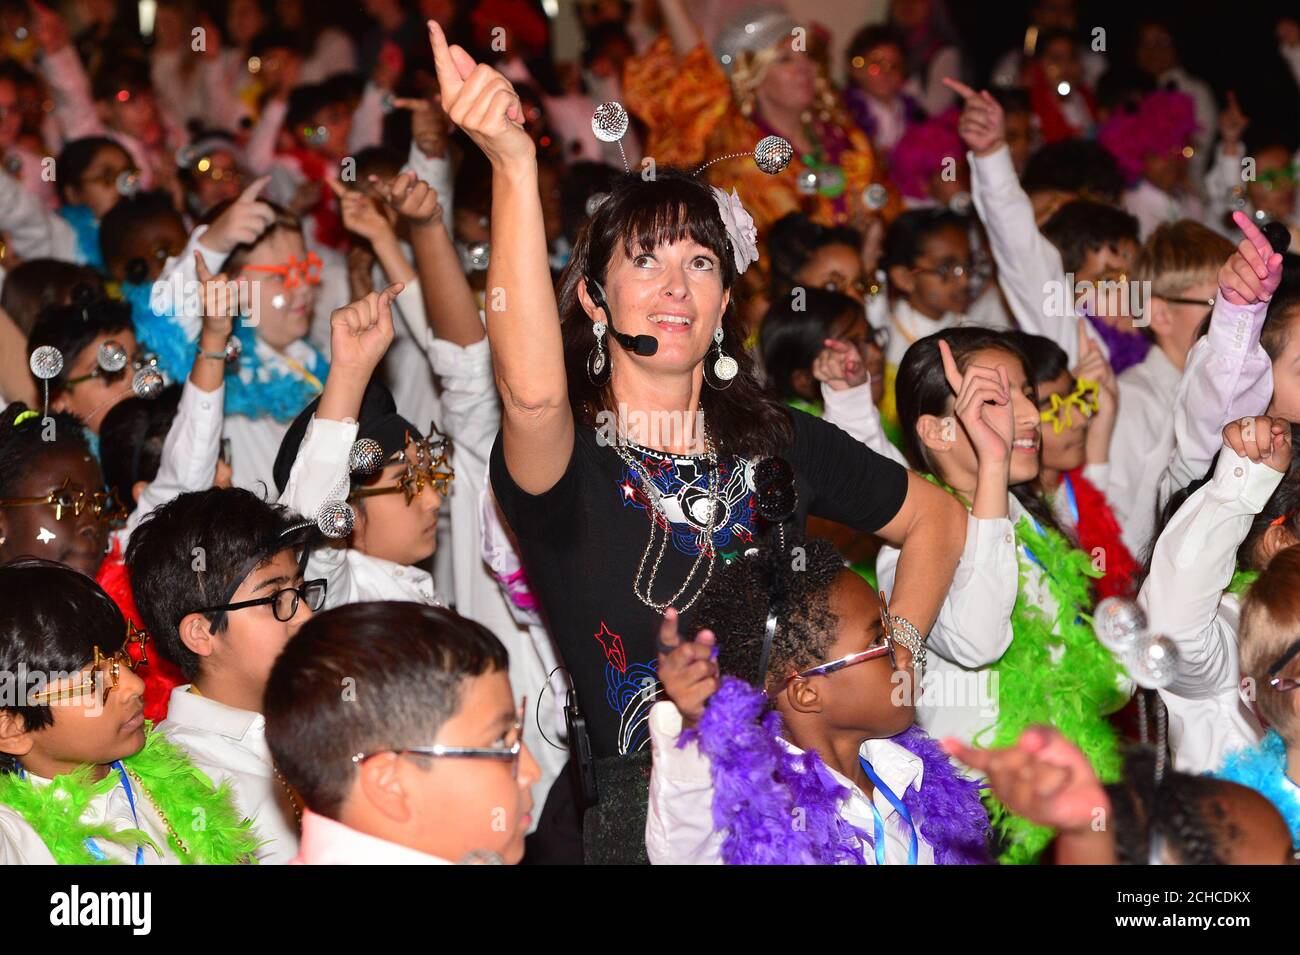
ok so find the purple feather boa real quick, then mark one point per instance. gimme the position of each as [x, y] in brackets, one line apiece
[1126, 348]
[760, 787]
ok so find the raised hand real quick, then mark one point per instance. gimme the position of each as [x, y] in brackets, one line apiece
[1094, 367]
[982, 126]
[220, 302]
[360, 214]
[983, 406]
[1261, 438]
[428, 125]
[360, 333]
[411, 197]
[480, 101]
[840, 365]
[1044, 778]
[243, 222]
[687, 669]
[1252, 273]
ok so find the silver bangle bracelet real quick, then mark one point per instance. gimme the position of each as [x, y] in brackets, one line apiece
[906, 634]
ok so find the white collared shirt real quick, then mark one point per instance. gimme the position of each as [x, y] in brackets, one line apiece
[229, 745]
[327, 841]
[20, 844]
[1141, 447]
[679, 826]
[1184, 598]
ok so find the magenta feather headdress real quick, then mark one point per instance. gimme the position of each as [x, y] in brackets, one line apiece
[1164, 121]
[921, 153]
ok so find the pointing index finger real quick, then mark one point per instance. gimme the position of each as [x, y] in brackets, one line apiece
[1256, 237]
[450, 79]
[256, 186]
[950, 367]
[958, 87]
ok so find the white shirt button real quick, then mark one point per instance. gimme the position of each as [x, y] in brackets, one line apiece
[1238, 472]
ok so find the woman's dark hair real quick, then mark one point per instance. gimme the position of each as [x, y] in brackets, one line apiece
[745, 589]
[922, 389]
[72, 328]
[51, 619]
[1080, 227]
[1078, 166]
[284, 220]
[23, 442]
[77, 156]
[193, 551]
[407, 663]
[911, 230]
[1044, 359]
[794, 240]
[131, 439]
[790, 338]
[1176, 810]
[36, 284]
[642, 214]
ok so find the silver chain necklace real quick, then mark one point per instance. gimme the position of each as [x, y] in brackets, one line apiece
[706, 555]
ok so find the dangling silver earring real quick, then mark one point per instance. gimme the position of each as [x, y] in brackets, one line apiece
[725, 368]
[598, 359]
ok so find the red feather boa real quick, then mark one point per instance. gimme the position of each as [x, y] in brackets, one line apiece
[1099, 529]
[159, 675]
[326, 212]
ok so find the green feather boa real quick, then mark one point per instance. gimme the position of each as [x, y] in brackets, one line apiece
[1241, 582]
[1072, 694]
[175, 785]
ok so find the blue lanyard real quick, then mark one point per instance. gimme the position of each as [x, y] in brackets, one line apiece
[1069, 497]
[91, 847]
[130, 798]
[880, 822]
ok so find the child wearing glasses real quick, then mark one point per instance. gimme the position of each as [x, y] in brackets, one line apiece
[257, 249]
[1011, 647]
[1270, 660]
[424, 763]
[812, 725]
[219, 583]
[83, 780]
[1078, 408]
[1218, 535]
[52, 503]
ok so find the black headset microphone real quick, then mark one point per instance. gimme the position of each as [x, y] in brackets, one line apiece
[643, 345]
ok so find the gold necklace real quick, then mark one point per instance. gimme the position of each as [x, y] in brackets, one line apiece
[171, 831]
[295, 801]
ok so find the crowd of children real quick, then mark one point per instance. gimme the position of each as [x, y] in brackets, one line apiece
[343, 377]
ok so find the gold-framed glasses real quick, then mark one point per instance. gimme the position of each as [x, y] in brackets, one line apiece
[431, 467]
[1085, 397]
[105, 671]
[71, 499]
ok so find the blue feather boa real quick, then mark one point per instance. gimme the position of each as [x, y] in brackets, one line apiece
[86, 229]
[258, 389]
[1263, 768]
[760, 786]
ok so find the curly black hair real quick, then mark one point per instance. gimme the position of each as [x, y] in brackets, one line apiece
[1182, 810]
[796, 583]
[23, 440]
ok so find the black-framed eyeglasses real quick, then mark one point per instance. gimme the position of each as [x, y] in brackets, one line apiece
[70, 499]
[513, 740]
[284, 603]
[141, 360]
[1280, 683]
[882, 647]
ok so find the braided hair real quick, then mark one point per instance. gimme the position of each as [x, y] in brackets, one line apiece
[796, 585]
[1181, 809]
[23, 433]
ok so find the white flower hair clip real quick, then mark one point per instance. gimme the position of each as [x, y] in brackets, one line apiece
[740, 228]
